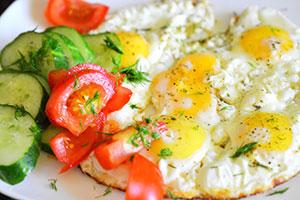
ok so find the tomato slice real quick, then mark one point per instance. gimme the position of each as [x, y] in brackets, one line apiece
[56, 77]
[75, 103]
[119, 99]
[145, 181]
[77, 14]
[71, 150]
[113, 153]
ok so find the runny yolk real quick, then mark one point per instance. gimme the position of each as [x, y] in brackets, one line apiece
[272, 131]
[262, 41]
[182, 88]
[184, 137]
[134, 47]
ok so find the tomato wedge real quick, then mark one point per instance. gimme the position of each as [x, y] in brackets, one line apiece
[118, 100]
[75, 103]
[71, 150]
[145, 181]
[55, 77]
[123, 145]
[76, 14]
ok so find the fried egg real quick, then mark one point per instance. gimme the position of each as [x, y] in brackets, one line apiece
[217, 93]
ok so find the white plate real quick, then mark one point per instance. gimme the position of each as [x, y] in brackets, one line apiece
[24, 15]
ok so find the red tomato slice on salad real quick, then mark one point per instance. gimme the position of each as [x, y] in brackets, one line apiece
[76, 14]
[145, 180]
[75, 103]
[118, 100]
[71, 150]
[125, 144]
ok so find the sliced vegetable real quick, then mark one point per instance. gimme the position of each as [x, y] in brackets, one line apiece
[22, 48]
[22, 90]
[50, 132]
[145, 180]
[71, 150]
[107, 49]
[77, 14]
[42, 81]
[71, 52]
[126, 143]
[34, 52]
[19, 144]
[75, 108]
[77, 40]
[118, 100]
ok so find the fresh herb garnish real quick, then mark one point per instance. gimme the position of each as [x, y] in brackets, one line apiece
[132, 75]
[171, 195]
[117, 63]
[165, 152]
[90, 103]
[244, 149]
[110, 44]
[133, 106]
[143, 135]
[20, 112]
[258, 164]
[148, 120]
[76, 83]
[224, 108]
[107, 191]
[52, 184]
[279, 192]
[155, 135]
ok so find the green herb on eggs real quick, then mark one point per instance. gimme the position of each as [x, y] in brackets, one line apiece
[165, 152]
[244, 149]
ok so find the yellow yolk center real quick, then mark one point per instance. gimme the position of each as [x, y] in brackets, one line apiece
[272, 131]
[134, 47]
[184, 137]
[261, 41]
[181, 89]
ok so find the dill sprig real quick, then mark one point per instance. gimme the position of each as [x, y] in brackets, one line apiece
[133, 75]
[109, 43]
[244, 149]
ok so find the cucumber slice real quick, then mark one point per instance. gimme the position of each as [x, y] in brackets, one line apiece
[70, 50]
[49, 133]
[24, 47]
[19, 148]
[22, 90]
[51, 56]
[77, 39]
[34, 52]
[104, 55]
[43, 82]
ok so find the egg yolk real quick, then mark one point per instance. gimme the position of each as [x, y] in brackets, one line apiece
[184, 137]
[134, 47]
[272, 131]
[182, 87]
[261, 41]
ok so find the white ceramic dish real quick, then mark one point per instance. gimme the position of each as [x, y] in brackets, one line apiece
[24, 15]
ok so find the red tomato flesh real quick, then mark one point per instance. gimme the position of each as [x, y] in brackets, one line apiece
[112, 154]
[87, 89]
[145, 181]
[76, 14]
